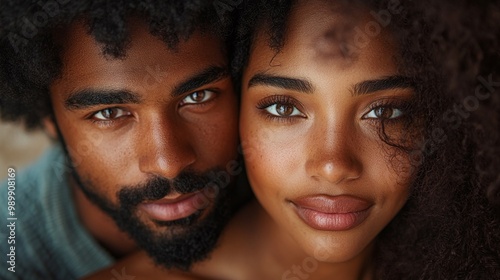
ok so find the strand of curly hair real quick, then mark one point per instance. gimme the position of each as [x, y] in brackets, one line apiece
[450, 227]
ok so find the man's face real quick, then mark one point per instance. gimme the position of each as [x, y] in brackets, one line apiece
[146, 135]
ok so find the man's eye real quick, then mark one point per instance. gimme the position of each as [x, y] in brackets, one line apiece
[384, 113]
[283, 110]
[198, 97]
[110, 114]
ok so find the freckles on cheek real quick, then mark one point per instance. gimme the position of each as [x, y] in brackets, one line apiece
[252, 148]
[205, 134]
[220, 132]
[113, 158]
[215, 142]
[273, 158]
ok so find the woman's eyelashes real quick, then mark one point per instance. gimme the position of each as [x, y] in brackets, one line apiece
[283, 110]
[286, 108]
[280, 108]
[384, 113]
[387, 110]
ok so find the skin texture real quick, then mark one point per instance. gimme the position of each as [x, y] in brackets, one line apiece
[158, 134]
[326, 142]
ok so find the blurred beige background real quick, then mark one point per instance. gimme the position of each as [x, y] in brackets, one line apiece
[19, 148]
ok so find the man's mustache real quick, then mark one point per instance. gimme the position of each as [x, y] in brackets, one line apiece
[159, 187]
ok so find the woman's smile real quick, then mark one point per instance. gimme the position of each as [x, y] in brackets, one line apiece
[335, 213]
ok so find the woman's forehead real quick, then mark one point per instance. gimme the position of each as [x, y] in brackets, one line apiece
[325, 37]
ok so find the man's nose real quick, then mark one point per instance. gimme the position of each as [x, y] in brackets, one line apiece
[165, 148]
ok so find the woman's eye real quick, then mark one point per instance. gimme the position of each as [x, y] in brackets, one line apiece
[384, 113]
[283, 110]
[110, 114]
[198, 97]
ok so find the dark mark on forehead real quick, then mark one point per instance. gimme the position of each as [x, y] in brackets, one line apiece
[336, 44]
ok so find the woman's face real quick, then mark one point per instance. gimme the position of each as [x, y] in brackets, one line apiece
[310, 124]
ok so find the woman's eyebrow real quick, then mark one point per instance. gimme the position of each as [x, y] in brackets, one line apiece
[295, 84]
[391, 82]
[304, 86]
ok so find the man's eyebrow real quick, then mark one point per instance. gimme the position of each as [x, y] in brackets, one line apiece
[209, 75]
[391, 82]
[93, 97]
[288, 83]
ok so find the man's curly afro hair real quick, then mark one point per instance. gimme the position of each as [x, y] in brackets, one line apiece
[29, 55]
[450, 226]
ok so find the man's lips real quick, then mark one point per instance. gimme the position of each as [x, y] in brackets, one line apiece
[173, 207]
[333, 213]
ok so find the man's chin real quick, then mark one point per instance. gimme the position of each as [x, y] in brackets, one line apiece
[180, 243]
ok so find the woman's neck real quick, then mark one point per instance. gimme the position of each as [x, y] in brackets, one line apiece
[296, 264]
[254, 247]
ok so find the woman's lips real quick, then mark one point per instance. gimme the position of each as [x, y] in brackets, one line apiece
[333, 213]
[171, 209]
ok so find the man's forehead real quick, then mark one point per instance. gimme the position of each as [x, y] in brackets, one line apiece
[78, 41]
[147, 61]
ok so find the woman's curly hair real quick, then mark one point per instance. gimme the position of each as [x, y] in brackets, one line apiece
[29, 55]
[450, 226]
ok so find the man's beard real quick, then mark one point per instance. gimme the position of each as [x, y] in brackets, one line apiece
[186, 240]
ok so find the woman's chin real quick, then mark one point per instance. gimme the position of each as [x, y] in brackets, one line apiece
[329, 250]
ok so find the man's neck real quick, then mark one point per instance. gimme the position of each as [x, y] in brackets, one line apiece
[101, 226]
